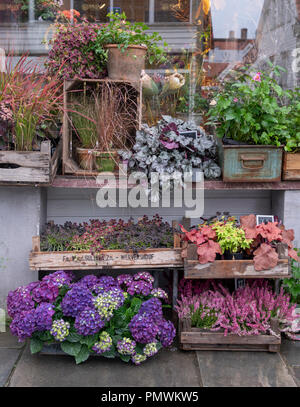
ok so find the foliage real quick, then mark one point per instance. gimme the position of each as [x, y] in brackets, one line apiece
[73, 54]
[252, 109]
[292, 285]
[247, 311]
[124, 33]
[162, 149]
[84, 118]
[292, 142]
[265, 238]
[44, 9]
[230, 237]
[200, 104]
[29, 102]
[108, 235]
[111, 324]
[56, 238]
[205, 239]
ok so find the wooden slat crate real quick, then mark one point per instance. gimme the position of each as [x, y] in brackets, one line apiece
[200, 339]
[232, 268]
[29, 167]
[106, 259]
[70, 166]
[291, 167]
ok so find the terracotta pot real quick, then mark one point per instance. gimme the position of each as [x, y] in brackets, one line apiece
[106, 161]
[126, 65]
[86, 158]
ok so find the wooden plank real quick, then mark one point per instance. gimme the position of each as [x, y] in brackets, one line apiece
[229, 347]
[36, 244]
[84, 260]
[219, 338]
[233, 269]
[25, 175]
[55, 160]
[291, 167]
[26, 159]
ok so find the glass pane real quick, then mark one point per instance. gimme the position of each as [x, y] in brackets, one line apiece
[93, 10]
[172, 11]
[134, 10]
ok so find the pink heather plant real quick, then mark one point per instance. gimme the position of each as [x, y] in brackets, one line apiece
[248, 311]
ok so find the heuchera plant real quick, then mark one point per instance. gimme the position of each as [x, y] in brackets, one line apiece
[112, 317]
[265, 237]
[247, 311]
[230, 237]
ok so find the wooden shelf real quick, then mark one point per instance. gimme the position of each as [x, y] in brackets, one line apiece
[90, 182]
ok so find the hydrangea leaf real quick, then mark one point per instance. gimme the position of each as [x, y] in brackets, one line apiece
[83, 354]
[36, 345]
[73, 337]
[70, 348]
[88, 340]
[125, 358]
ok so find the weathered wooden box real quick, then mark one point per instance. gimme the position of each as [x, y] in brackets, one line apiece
[231, 268]
[201, 339]
[250, 163]
[106, 259]
[29, 167]
[77, 87]
[291, 167]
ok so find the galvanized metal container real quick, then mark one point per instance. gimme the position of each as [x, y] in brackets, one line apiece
[247, 163]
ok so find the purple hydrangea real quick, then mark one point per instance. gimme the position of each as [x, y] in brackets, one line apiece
[105, 283]
[60, 329]
[108, 301]
[150, 349]
[43, 316]
[159, 293]
[152, 308]
[88, 281]
[139, 287]
[23, 324]
[59, 278]
[104, 344]
[46, 291]
[76, 300]
[126, 346]
[124, 279]
[88, 322]
[143, 328]
[19, 300]
[144, 275]
[137, 359]
[166, 332]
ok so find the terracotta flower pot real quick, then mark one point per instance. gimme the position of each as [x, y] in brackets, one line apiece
[126, 65]
[86, 158]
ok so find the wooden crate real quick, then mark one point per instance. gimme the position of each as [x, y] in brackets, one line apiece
[200, 339]
[30, 167]
[106, 259]
[70, 166]
[291, 167]
[232, 268]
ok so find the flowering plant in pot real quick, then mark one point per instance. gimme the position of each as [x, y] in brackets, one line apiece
[250, 114]
[249, 310]
[128, 46]
[111, 317]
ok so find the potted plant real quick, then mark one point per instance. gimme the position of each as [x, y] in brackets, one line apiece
[292, 285]
[128, 47]
[231, 238]
[104, 123]
[291, 156]
[251, 117]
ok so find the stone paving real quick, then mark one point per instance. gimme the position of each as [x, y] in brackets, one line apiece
[174, 368]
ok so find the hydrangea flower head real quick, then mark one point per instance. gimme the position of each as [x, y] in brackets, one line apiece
[19, 300]
[166, 333]
[126, 346]
[104, 344]
[143, 328]
[107, 302]
[150, 349]
[159, 293]
[60, 329]
[76, 300]
[23, 324]
[88, 322]
[43, 316]
[137, 359]
[59, 278]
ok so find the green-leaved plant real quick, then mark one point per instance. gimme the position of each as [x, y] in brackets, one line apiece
[252, 109]
[230, 237]
[124, 33]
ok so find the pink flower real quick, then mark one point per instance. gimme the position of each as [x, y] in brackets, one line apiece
[235, 100]
[257, 77]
